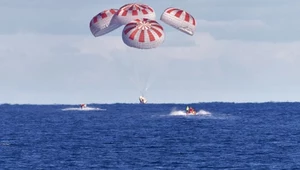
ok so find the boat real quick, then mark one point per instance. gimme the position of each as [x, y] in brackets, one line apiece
[190, 111]
[82, 106]
[142, 100]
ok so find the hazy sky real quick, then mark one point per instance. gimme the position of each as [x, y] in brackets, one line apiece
[242, 51]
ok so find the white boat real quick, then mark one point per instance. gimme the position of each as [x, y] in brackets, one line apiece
[142, 100]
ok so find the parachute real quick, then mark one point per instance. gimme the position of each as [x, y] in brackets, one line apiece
[143, 34]
[141, 31]
[179, 19]
[132, 11]
[104, 23]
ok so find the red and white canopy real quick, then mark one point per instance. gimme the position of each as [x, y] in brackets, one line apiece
[132, 11]
[179, 19]
[104, 23]
[143, 34]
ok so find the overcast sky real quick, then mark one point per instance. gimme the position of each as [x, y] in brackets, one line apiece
[242, 51]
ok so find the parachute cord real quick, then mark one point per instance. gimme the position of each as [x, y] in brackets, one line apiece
[141, 77]
[136, 77]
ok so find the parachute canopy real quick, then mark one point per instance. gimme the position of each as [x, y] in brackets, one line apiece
[143, 34]
[104, 23]
[132, 11]
[141, 30]
[179, 19]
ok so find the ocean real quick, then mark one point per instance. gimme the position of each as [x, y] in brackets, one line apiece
[150, 136]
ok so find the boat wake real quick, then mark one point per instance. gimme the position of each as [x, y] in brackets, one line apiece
[82, 109]
[183, 113]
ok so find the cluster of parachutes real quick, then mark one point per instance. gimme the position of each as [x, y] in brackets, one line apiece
[141, 30]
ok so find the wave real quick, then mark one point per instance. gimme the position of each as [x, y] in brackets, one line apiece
[82, 109]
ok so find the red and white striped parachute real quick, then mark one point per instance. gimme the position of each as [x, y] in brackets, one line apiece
[132, 11]
[143, 34]
[179, 19]
[104, 23]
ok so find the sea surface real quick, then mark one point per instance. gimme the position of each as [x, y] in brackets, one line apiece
[150, 136]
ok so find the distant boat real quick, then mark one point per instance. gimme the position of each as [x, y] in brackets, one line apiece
[190, 111]
[82, 106]
[142, 100]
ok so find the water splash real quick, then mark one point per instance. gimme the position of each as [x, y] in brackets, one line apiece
[183, 113]
[82, 109]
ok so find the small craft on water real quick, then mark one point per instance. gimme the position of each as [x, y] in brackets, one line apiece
[143, 100]
[190, 111]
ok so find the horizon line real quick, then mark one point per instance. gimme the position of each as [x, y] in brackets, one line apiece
[207, 102]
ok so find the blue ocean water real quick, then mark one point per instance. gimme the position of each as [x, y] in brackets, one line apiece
[151, 136]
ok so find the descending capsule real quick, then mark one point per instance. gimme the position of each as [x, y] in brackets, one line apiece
[132, 11]
[179, 19]
[104, 23]
[143, 34]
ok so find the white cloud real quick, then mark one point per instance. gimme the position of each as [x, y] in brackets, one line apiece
[235, 19]
[61, 66]
[233, 24]
[241, 51]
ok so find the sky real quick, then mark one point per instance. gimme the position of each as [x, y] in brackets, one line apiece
[242, 51]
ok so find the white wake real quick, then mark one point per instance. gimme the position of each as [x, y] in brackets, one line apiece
[183, 113]
[82, 109]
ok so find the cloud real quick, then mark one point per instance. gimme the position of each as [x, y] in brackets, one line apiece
[232, 24]
[254, 20]
[202, 45]
[77, 65]
[248, 30]
[41, 47]
[241, 51]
